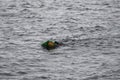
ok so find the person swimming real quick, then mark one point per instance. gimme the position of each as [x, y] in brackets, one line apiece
[50, 45]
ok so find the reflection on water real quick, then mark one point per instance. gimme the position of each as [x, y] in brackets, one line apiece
[89, 30]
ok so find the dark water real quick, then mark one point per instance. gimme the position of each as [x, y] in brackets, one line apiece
[90, 30]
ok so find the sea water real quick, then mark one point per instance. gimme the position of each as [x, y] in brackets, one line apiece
[90, 30]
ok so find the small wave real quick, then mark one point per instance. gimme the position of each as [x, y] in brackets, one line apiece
[22, 73]
[8, 14]
[108, 53]
[96, 77]
[37, 78]
[7, 74]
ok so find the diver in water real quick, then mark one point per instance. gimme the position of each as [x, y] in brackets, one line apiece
[51, 44]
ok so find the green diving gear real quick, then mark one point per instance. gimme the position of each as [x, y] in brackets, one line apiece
[50, 45]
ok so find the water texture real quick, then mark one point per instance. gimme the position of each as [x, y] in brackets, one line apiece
[90, 30]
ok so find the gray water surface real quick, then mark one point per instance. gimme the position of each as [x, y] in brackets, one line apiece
[90, 30]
